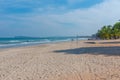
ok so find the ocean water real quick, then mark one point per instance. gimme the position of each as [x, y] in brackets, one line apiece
[16, 42]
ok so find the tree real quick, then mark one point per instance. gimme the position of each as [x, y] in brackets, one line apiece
[105, 32]
[116, 30]
[109, 32]
[116, 25]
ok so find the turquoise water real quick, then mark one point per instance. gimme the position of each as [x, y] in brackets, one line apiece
[13, 42]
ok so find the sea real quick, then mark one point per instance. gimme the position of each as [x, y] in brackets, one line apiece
[28, 41]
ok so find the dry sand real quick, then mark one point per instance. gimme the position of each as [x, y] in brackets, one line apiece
[87, 60]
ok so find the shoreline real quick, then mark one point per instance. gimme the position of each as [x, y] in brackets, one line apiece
[82, 60]
[38, 44]
[16, 42]
[30, 45]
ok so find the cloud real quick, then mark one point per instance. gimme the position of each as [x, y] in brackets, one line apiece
[69, 22]
[93, 18]
[31, 6]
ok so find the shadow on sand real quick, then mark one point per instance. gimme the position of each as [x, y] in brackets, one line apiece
[107, 51]
[103, 42]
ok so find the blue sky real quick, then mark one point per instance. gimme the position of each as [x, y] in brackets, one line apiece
[56, 17]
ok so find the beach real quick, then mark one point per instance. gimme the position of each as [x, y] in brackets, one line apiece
[72, 60]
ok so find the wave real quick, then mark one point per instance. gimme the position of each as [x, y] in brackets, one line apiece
[4, 43]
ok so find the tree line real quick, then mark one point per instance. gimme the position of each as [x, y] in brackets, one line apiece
[109, 32]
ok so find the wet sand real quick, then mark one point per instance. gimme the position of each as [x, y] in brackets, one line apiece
[83, 60]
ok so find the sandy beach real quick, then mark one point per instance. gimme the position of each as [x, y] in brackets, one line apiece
[82, 60]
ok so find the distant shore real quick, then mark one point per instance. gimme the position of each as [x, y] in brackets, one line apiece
[72, 60]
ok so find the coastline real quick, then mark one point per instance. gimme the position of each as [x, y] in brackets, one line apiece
[71, 60]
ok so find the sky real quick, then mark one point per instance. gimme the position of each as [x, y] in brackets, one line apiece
[41, 18]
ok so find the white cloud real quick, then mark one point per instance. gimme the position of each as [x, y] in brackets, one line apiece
[79, 21]
[88, 21]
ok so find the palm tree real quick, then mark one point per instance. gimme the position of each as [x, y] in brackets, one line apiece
[109, 32]
[117, 25]
[116, 30]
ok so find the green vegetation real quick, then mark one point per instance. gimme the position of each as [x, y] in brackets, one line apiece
[109, 32]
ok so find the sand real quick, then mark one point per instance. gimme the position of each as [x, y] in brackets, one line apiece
[87, 60]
